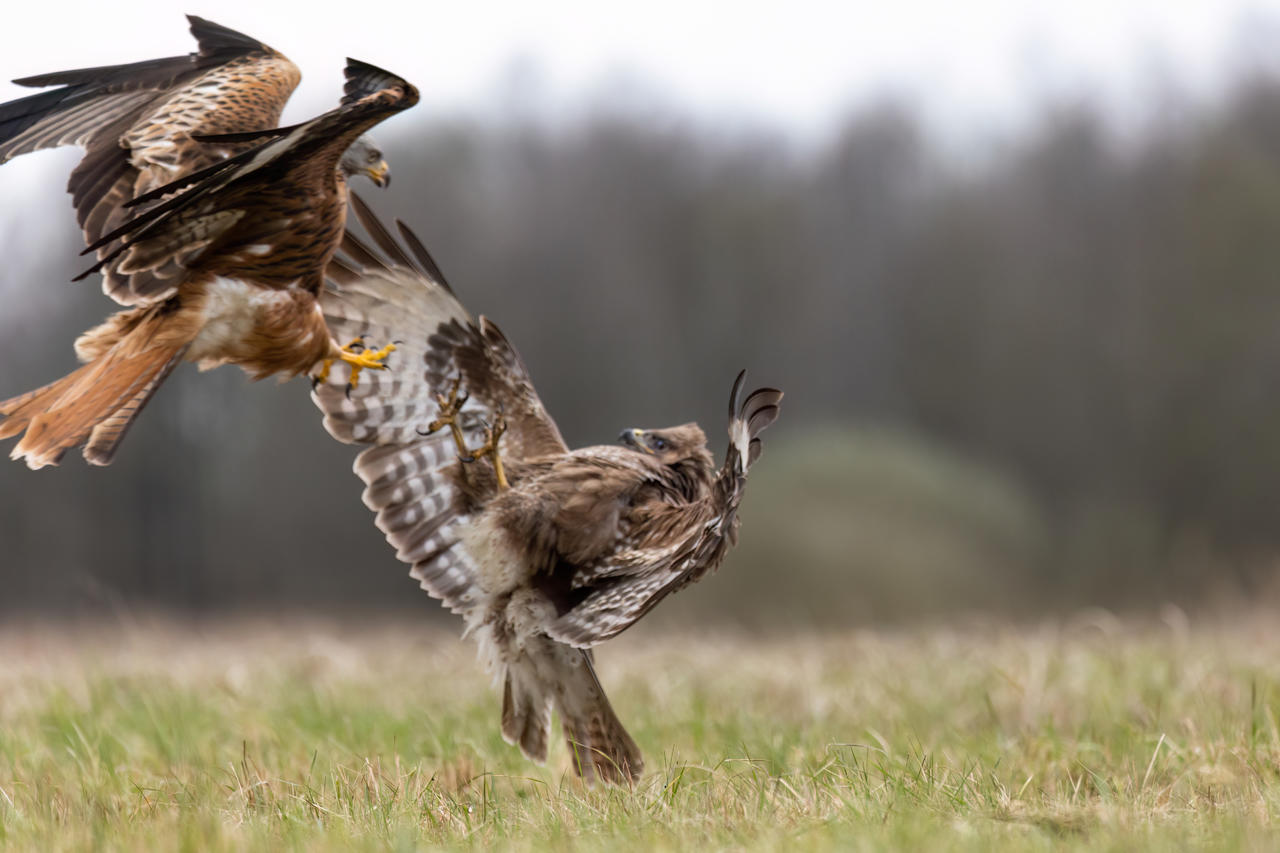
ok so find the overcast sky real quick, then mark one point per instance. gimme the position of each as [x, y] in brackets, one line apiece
[796, 61]
[796, 64]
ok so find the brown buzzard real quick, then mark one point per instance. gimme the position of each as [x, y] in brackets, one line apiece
[240, 247]
[140, 126]
[544, 551]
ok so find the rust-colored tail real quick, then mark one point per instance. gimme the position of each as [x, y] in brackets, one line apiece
[94, 405]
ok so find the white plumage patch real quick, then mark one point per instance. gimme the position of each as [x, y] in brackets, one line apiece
[231, 309]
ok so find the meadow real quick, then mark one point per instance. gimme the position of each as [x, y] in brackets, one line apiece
[1085, 733]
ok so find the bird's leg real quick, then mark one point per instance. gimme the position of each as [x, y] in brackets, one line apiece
[359, 357]
[450, 405]
[492, 432]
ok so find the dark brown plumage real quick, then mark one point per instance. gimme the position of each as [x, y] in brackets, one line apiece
[243, 244]
[142, 126]
[582, 543]
[137, 124]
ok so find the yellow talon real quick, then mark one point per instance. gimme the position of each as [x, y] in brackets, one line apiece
[361, 358]
[450, 406]
[490, 449]
[323, 375]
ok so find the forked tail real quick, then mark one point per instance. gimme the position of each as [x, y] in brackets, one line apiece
[94, 405]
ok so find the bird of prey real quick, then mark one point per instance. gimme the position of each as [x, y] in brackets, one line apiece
[141, 124]
[543, 550]
[241, 247]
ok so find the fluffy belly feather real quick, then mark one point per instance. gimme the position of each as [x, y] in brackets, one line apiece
[499, 569]
[265, 330]
[232, 309]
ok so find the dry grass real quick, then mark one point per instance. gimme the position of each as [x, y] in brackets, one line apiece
[1088, 735]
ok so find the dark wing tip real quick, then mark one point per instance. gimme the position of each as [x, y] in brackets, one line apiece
[426, 263]
[215, 38]
[760, 409]
[761, 418]
[244, 135]
[376, 230]
[365, 79]
[737, 389]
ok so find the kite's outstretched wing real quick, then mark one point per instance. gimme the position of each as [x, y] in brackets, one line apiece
[221, 210]
[138, 122]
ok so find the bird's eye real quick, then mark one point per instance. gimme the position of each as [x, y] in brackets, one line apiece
[659, 443]
[374, 156]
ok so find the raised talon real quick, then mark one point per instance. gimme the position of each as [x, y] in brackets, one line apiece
[493, 432]
[323, 375]
[360, 358]
[450, 405]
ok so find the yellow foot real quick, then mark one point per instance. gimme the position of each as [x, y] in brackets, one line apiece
[450, 405]
[492, 432]
[359, 357]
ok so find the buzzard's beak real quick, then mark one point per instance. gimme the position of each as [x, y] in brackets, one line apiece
[631, 438]
[380, 173]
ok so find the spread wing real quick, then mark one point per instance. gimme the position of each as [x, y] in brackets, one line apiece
[406, 299]
[398, 294]
[254, 200]
[137, 124]
[674, 546]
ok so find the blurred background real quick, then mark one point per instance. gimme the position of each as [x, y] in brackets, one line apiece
[1016, 266]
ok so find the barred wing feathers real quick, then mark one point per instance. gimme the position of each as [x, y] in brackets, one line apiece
[408, 484]
[407, 300]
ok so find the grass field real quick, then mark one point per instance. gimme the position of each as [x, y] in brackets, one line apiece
[1080, 735]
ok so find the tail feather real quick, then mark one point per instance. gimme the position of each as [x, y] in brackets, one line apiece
[548, 674]
[526, 713]
[107, 435]
[597, 740]
[95, 403]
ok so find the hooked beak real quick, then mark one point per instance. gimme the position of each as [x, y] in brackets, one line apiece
[380, 173]
[631, 438]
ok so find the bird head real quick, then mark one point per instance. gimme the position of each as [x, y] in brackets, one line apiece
[363, 157]
[670, 445]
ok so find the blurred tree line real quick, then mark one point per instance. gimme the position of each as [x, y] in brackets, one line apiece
[1043, 376]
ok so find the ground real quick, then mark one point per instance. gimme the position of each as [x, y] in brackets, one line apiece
[1085, 733]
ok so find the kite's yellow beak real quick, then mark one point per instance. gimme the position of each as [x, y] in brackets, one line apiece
[380, 173]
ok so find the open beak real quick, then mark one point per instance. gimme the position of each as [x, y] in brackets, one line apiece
[380, 173]
[631, 438]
